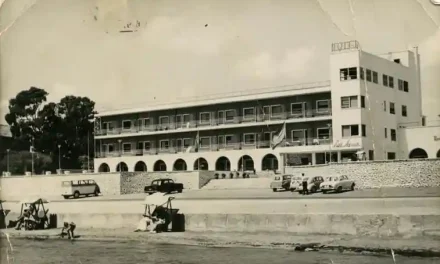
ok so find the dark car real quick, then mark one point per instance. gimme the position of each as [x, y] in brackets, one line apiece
[163, 186]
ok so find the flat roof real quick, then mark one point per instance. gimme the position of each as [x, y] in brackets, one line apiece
[240, 96]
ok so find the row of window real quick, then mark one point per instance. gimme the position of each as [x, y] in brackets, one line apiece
[353, 102]
[372, 76]
[297, 136]
[225, 116]
[392, 107]
[353, 130]
[393, 134]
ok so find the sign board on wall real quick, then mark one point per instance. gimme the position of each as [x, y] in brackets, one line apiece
[345, 144]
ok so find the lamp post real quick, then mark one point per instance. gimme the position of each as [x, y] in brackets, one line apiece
[120, 154]
[7, 153]
[59, 158]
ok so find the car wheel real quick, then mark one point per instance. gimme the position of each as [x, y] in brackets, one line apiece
[274, 189]
[324, 192]
[76, 195]
[96, 193]
[339, 189]
[352, 187]
[313, 190]
[66, 196]
[179, 191]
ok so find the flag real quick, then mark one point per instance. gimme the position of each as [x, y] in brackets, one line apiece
[31, 149]
[280, 137]
[196, 144]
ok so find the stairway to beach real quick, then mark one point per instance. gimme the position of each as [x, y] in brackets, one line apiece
[249, 183]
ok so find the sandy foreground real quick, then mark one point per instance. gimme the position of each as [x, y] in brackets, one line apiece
[427, 246]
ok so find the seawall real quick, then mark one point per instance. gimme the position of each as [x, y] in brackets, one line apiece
[375, 174]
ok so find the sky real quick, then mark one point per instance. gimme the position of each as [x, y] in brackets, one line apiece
[199, 47]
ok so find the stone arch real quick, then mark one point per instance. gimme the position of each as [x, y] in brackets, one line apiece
[203, 164]
[140, 166]
[247, 162]
[104, 168]
[122, 166]
[438, 154]
[418, 153]
[179, 165]
[223, 164]
[269, 162]
[160, 165]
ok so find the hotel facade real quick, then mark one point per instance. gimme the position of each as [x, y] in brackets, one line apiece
[364, 108]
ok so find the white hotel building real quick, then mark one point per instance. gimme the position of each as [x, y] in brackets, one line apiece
[365, 106]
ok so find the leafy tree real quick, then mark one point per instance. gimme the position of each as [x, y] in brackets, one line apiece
[55, 129]
[23, 117]
[21, 161]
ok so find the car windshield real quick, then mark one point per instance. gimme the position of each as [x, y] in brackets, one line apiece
[286, 177]
[277, 178]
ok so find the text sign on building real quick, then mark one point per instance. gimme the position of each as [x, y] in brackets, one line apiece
[346, 144]
[347, 45]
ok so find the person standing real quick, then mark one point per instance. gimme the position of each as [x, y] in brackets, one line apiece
[305, 187]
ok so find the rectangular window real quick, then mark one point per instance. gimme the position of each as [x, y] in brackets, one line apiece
[390, 81]
[147, 145]
[393, 135]
[362, 101]
[205, 142]
[392, 110]
[322, 106]
[164, 120]
[108, 148]
[249, 113]
[348, 74]
[182, 120]
[229, 115]
[126, 147]
[229, 140]
[186, 142]
[385, 80]
[369, 79]
[391, 155]
[350, 130]
[404, 110]
[126, 124]
[298, 135]
[276, 110]
[384, 106]
[221, 140]
[405, 86]
[164, 144]
[400, 84]
[361, 73]
[349, 101]
[145, 122]
[249, 139]
[386, 133]
[364, 130]
[205, 118]
[323, 133]
[375, 77]
[297, 109]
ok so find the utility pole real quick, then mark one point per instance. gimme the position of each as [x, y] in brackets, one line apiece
[7, 151]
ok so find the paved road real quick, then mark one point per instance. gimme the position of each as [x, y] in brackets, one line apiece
[269, 194]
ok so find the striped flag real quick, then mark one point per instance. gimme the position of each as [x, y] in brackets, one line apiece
[277, 139]
[196, 144]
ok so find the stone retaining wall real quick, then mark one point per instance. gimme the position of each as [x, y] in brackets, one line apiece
[375, 174]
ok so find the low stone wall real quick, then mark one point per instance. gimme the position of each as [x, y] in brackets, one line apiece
[375, 174]
[134, 182]
[50, 185]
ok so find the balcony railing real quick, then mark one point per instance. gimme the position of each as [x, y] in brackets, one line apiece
[216, 122]
[216, 147]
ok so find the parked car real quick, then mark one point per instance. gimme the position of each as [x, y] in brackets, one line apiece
[295, 181]
[80, 187]
[313, 183]
[281, 182]
[337, 184]
[163, 186]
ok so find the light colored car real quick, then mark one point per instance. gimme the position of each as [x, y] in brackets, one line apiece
[281, 182]
[313, 183]
[80, 187]
[295, 181]
[337, 184]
